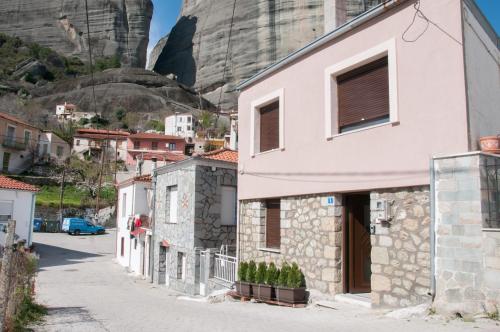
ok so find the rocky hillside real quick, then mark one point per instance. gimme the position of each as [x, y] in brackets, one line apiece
[263, 32]
[118, 28]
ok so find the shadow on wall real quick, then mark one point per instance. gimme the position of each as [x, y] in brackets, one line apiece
[177, 55]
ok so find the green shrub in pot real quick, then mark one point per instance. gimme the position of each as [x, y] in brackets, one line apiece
[242, 271]
[283, 277]
[272, 275]
[252, 270]
[243, 287]
[291, 285]
[260, 275]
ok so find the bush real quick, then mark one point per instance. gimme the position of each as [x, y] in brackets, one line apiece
[29, 312]
[252, 270]
[272, 275]
[283, 277]
[242, 271]
[260, 276]
[295, 277]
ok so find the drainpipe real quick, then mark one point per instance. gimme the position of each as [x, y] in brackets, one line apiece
[152, 244]
[432, 230]
[32, 216]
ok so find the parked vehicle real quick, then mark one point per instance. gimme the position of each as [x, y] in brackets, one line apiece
[37, 224]
[78, 226]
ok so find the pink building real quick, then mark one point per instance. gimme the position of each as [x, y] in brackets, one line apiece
[335, 143]
[163, 147]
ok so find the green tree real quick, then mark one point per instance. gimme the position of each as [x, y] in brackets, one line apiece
[272, 275]
[260, 275]
[242, 271]
[252, 270]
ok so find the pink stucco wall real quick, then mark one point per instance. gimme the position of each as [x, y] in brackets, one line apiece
[431, 106]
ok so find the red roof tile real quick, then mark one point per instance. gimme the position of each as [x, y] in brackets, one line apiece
[155, 136]
[223, 155]
[164, 156]
[102, 132]
[101, 137]
[141, 178]
[8, 183]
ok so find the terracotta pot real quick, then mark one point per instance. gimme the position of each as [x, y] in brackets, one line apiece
[263, 292]
[244, 288]
[490, 143]
[291, 295]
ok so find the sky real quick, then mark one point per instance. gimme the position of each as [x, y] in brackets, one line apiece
[166, 13]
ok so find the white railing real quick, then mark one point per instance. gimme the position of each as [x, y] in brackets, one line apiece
[225, 268]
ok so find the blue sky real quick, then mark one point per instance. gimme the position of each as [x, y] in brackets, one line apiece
[166, 13]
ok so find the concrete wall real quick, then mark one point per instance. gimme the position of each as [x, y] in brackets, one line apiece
[430, 98]
[482, 64]
[23, 213]
[467, 252]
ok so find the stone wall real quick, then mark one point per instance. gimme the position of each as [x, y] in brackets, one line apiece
[401, 249]
[311, 236]
[467, 248]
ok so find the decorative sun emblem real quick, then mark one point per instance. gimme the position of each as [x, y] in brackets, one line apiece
[185, 201]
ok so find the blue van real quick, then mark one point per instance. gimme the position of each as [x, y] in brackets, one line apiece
[78, 226]
[37, 224]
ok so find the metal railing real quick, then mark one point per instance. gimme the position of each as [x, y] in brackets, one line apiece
[13, 143]
[225, 268]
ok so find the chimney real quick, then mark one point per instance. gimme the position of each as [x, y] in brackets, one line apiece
[154, 159]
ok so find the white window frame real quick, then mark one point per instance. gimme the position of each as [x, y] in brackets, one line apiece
[256, 105]
[30, 136]
[173, 214]
[11, 204]
[384, 49]
[124, 205]
[228, 210]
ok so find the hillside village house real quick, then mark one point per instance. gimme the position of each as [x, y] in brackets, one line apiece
[18, 144]
[195, 214]
[91, 142]
[144, 146]
[52, 148]
[69, 112]
[335, 144]
[17, 202]
[133, 239]
[182, 125]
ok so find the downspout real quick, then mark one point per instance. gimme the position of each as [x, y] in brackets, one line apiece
[153, 213]
[32, 216]
[432, 231]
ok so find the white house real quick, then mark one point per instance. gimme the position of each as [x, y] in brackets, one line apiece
[69, 112]
[52, 147]
[182, 125]
[133, 229]
[17, 202]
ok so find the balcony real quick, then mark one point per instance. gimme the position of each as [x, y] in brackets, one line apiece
[12, 143]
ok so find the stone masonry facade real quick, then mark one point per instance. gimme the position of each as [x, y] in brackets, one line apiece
[401, 249]
[467, 236]
[198, 225]
[312, 236]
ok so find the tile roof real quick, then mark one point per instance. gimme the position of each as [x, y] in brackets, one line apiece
[155, 136]
[8, 183]
[164, 156]
[141, 178]
[16, 120]
[102, 132]
[101, 137]
[222, 155]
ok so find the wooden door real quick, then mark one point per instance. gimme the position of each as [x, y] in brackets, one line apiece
[359, 245]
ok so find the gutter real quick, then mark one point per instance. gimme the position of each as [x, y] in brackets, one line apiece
[153, 226]
[432, 231]
[32, 216]
[321, 41]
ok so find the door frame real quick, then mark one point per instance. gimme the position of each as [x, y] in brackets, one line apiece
[346, 243]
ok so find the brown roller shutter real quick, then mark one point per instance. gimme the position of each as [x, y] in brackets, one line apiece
[273, 229]
[363, 93]
[269, 127]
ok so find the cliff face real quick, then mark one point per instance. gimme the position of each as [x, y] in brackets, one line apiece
[263, 32]
[117, 27]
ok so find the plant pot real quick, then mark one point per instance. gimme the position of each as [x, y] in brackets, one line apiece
[244, 288]
[263, 292]
[291, 295]
[490, 143]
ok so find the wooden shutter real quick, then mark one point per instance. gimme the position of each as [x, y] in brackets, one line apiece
[273, 229]
[363, 93]
[269, 127]
[122, 247]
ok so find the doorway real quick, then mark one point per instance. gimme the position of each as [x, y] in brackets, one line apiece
[357, 253]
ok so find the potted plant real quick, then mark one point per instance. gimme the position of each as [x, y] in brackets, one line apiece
[260, 278]
[291, 285]
[242, 286]
[267, 291]
[490, 143]
[250, 279]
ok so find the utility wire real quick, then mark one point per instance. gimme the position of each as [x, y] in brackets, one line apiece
[90, 57]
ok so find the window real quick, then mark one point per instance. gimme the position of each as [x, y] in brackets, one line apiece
[122, 247]
[267, 123]
[124, 205]
[77, 142]
[11, 134]
[228, 205]
[27, 137]
[6, 210]
[273, 229]
[179, 128]
[189, 119]
[171, 146]
[135, 244]
[59, 151]
[361, 91]
[172, 204]
[154, 145]
[188, 127]
[180, 119]
[363, 96]
[137, 145]
[492, 172]
[181, 266]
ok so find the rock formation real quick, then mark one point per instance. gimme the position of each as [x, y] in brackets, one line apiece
[263, 31]
[117, 27]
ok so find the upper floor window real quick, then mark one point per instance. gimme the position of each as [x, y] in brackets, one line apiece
[172, 204]
[228, 205]
[361, 91]
[27, 137]
[77, 142]
[171, 146]
[267, 123]
[189, 119]
[154, 145]
[124, 205]
[59, 151]
[137, 145]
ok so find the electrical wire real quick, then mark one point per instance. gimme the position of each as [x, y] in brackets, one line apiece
[91, 66]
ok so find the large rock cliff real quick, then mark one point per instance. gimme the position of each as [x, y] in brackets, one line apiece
[117, 27]
[263, 31]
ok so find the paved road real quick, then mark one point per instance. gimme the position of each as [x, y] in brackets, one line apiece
[86, 291]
